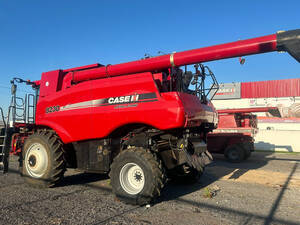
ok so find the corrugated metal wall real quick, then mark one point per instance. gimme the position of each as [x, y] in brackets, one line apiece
[271, 89]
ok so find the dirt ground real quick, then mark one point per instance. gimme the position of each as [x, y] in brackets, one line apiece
[263, 190]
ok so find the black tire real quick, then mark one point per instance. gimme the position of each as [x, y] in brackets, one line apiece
[149, 171]
[248, 147]
[235, 153]
[43, 163]
[247, 153]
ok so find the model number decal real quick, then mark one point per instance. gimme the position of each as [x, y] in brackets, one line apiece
[52, 109]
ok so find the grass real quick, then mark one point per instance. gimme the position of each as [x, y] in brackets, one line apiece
[207, 193]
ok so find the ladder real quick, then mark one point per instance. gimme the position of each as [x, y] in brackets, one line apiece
[20, 111]
[4, 145]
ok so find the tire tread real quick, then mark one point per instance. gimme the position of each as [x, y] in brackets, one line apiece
[58, 166]
[157, 171]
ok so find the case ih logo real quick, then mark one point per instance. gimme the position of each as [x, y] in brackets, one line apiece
[229, 91]
[226, 91]
[123, 99]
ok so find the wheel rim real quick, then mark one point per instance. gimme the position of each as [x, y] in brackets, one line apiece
[36, 160]
[132, 178]
[233, 155]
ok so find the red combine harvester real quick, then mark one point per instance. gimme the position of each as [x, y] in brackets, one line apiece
[136, 121]
[234, 136]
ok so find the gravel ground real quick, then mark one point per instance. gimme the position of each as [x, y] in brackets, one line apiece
[263, 190]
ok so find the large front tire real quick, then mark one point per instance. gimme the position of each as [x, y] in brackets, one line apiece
[43, 163]
[137, 176]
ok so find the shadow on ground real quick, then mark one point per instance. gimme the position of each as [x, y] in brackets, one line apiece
[215, 171]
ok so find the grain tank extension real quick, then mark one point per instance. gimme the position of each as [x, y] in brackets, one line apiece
[142, 121]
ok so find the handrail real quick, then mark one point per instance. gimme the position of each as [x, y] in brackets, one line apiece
[3, 118]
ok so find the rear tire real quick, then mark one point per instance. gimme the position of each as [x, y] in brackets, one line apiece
[43, 163]
[247, 153]
[235, 153]
[137, 176]
[248, 147]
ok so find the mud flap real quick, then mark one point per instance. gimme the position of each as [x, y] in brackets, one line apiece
[199, 159]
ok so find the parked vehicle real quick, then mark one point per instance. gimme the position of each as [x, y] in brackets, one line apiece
[132, 120]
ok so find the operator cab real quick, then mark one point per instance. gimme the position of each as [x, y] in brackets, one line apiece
[175, 79]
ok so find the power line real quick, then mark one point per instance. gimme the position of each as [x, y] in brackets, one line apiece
[5, 87]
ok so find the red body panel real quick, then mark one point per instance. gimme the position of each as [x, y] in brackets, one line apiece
[195, 112]
[237, 122]
[228, 121]
[82, 115]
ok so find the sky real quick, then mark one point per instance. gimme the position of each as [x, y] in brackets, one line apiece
[38, 35]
